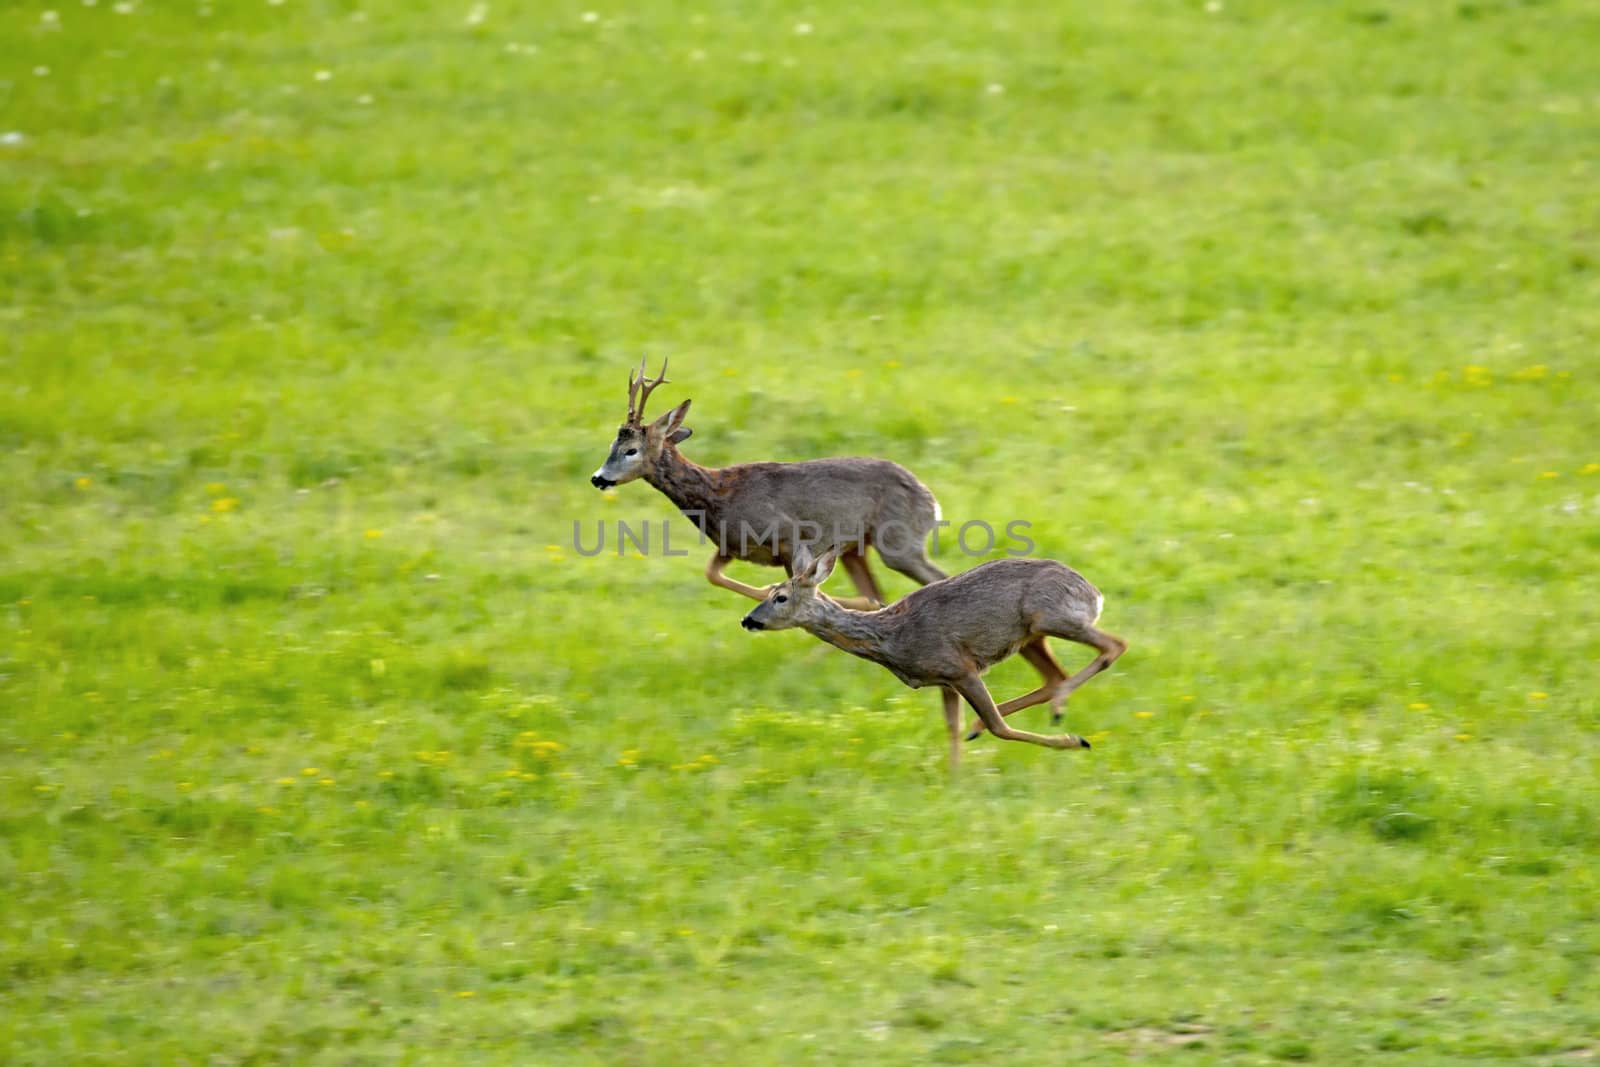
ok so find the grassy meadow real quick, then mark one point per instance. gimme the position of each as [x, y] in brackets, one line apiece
[320, 743]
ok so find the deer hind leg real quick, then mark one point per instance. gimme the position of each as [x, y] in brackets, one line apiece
[977, 694]
[1037, 653]
[715, 576]
[855, 565]
[910, 560]
[952, 722]
[1109, 647]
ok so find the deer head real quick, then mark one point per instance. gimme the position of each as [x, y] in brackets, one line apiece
[792, 602]
[638, 446]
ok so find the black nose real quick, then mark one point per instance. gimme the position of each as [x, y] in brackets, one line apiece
[601, 483]
[750, 624]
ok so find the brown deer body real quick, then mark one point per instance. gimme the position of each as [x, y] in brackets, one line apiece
[762, 512]
[949, 632]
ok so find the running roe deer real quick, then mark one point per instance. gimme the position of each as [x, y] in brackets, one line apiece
[848, 503]
[949, 632]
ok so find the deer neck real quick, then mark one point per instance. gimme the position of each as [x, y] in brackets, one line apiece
[860, 633]
[696, 490]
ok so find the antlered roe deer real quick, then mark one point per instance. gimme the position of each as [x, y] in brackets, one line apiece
[762, 512]
[949, 632]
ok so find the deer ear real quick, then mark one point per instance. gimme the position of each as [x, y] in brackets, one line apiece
[823, 567]
[674, 418]
[672, 426]
[800, 561]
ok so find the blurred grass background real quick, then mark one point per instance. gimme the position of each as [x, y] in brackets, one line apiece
[321, 744]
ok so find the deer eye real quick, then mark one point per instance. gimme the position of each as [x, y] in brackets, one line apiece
[780, 599]
[631, 452]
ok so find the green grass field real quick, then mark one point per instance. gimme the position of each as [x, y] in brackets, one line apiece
[321, 744]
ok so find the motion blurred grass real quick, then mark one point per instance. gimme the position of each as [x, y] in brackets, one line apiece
[321, 744]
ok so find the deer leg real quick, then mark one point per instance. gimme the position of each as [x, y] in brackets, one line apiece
[1037, 653]
[715, 576]
[913, 562]
[855, 565]
[1110, 646]
[952, 722]
[977, 694]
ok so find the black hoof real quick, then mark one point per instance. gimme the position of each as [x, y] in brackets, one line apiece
[974, 735]
[1085, 741]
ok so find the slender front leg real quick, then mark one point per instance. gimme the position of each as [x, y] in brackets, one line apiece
[952, 722]
[855, 565]
[715, 576]
[977, 694]
[1036, 652]
[1026, 700]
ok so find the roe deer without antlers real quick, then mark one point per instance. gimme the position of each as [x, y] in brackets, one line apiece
[949, 632]
[848, 503]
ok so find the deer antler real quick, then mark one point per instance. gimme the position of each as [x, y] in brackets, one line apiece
[633, 390]
[639, 389]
